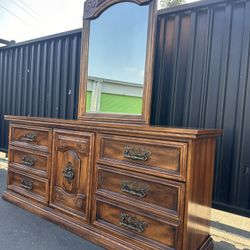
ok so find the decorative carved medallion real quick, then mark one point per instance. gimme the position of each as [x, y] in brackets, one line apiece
[89, 8]
[83, 148]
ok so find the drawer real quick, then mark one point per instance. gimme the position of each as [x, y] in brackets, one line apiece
[29, 161]
[162, 158]
[28, 185]
[156, 195]
[145, 230]
[31, 137]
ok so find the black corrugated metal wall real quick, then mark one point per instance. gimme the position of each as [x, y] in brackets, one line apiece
[40, 78]
[201, 80]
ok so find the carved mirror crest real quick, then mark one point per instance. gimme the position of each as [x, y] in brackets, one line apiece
[117, 61]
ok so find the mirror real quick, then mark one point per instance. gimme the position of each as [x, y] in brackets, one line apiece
[117, 54]
[117, 61]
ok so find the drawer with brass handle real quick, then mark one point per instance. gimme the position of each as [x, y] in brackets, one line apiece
[31, 137]
[151, 231]
[155, 157]
[28, 185]
[30, 161]
[163, 197]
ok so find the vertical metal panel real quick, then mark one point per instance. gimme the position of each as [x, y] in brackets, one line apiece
[205, 83]
[40, 78]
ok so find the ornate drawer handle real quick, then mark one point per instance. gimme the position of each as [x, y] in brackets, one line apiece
[136, 154]
[132, 188]
[29, 137]
[132, 223]
[68, 172]
[28, 161]
[27, 184]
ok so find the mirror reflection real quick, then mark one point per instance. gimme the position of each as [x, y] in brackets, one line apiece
[117, 53]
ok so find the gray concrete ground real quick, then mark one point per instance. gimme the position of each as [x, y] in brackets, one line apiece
[21, 230]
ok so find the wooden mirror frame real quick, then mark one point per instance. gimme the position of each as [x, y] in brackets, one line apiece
[93, 9]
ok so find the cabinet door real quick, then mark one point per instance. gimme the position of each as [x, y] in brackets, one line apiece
[70, 184]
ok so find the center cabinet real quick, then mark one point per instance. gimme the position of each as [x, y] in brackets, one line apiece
[71, 169]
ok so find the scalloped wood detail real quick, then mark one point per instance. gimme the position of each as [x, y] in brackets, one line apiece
[93, 8]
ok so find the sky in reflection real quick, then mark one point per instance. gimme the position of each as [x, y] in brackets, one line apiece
[117, 47]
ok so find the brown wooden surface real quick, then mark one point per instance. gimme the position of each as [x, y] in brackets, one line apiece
[199, 192]
[157, 234]
[30, 161]
[42, 140]
[184, 204]
[96, 8]
[142, 131]
[92, 8]
[75, 150]
[40, 186]
[88, 167]
[156, 195]
[166, 157]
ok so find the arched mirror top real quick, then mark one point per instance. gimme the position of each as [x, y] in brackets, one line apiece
[94, 8]
[117, 61]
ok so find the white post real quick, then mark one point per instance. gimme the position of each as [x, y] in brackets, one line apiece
[96, 96]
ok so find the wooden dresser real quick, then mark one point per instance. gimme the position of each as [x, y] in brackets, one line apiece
[109, 176]
[120, 186]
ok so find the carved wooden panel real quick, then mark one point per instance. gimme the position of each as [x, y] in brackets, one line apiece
[153, 194]
[147, 230]
[162, 158]
[92, 8]
[71, 172]
[31, 137]
[30, 161]
[28, 185]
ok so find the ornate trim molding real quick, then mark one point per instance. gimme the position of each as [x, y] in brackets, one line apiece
[93, 8]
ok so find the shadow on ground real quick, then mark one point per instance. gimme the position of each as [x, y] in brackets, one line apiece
[21, 230]
[222, 245]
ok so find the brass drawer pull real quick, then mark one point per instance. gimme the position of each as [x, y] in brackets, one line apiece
[29, 137]
[27, 184]
[28, 161]
[132, 188]
[136, 154]
[68, 172]
[132, 223]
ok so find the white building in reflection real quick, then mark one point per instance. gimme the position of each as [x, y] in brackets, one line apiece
[97, 87]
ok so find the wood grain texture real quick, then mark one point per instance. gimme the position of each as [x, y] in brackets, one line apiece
[70, 180]
[199, 192]
[31, 186]
[155, 233]
[30, 137]
[165, 158]
[163, 197]
[177, 209]
[30, 161]
[141, 131]
[92, 9]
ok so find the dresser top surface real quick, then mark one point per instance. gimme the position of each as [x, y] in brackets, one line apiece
[190, 133]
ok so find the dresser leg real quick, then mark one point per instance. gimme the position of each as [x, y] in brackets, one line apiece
[208, 244]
